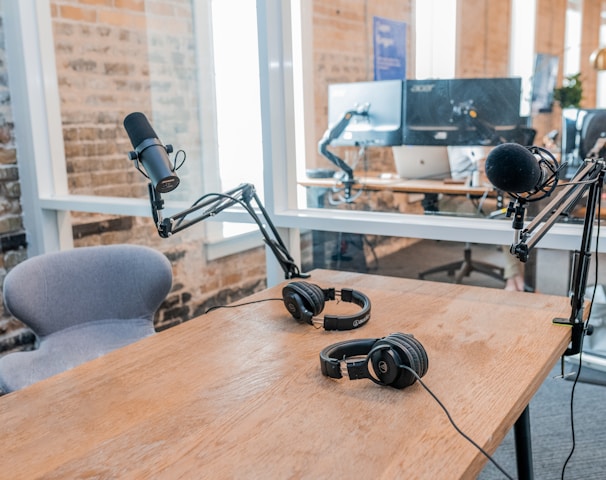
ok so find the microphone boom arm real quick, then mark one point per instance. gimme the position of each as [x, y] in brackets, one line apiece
[589, 178]
[586, 177]
[214, 203]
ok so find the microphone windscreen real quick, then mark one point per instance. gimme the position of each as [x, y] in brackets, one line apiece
[513, 168]
[138, 128]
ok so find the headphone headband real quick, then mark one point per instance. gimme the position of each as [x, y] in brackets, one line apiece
[332, 356]
[349, 322]
[306, 300]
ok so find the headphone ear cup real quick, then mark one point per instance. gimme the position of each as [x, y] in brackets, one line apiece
[385, 362]
[409, 341]
[303, 300]
[390, 353]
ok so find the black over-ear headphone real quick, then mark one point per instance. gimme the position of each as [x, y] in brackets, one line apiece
[388, 356]
[306, 300]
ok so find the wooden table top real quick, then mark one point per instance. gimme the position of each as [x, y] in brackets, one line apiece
[238, 393]
[395, 184]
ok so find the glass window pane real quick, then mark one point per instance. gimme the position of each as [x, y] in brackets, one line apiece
[190, 67]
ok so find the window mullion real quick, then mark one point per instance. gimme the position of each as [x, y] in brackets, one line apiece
[38, 128]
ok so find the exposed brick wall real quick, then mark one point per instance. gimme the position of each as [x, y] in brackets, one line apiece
[103, 75]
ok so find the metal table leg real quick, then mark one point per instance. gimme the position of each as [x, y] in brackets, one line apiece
[521, 430]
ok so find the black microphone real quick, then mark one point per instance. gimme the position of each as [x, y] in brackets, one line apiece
[514, 168]
[151, 152]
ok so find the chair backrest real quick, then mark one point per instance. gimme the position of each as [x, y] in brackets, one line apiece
[55, 291]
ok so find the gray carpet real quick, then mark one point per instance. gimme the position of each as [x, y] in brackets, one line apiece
[550, 409]
[551, 433]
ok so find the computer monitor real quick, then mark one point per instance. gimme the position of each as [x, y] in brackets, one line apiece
[382, 100]
[474, 111]
[581, 127]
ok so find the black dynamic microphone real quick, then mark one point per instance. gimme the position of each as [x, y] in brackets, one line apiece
[514, 168]
[150, 151]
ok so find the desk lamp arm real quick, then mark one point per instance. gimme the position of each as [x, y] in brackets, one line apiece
[212, 204]
[588, 179]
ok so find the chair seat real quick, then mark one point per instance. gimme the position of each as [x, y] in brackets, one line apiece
[69, 348]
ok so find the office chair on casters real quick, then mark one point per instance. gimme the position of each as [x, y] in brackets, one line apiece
[81, 304]
[463, 268]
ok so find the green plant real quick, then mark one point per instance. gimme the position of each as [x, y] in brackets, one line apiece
[571, 91]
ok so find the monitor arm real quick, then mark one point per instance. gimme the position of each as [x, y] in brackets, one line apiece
[214, 203]
[334, 132]
[588, 179]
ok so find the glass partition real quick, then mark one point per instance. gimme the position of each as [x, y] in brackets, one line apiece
[160, 57]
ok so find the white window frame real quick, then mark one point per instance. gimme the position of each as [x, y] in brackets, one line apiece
[285, 110]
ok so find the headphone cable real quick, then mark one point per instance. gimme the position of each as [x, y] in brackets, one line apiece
[215, 307]
[452, 422]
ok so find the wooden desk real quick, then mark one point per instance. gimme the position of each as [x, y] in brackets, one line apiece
[238, 393]
[401, 185]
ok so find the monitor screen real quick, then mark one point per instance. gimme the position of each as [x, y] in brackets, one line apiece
[474, 111]
[581, 127]
[382, 100]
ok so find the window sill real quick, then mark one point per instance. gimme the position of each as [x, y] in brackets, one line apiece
[224, 247]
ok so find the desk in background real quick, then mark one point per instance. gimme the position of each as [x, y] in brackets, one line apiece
[238, 393]
[402, 185]
[431, 189]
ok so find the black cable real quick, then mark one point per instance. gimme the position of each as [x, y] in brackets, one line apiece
[241, 202]
[578, 374]
[459, 431]
[175, 166]
[215, 307]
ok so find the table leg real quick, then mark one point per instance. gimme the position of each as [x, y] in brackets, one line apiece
[521, 430]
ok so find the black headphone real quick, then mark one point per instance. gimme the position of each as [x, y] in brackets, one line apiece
[388, 356]
[306, 300]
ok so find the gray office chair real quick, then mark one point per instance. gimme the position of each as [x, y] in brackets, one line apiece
[81, 304]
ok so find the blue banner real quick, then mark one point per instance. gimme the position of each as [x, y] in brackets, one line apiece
[389, 41]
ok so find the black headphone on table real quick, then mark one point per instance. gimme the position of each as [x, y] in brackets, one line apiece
[392, 358]
[306, 300]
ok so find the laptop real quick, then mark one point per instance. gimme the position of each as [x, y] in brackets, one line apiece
[421, 162]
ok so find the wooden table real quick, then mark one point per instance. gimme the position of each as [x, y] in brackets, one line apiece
[238, 393]
[427, 186]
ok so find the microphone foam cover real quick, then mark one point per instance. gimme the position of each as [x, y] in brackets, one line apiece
[513, 168]
[138, 128]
